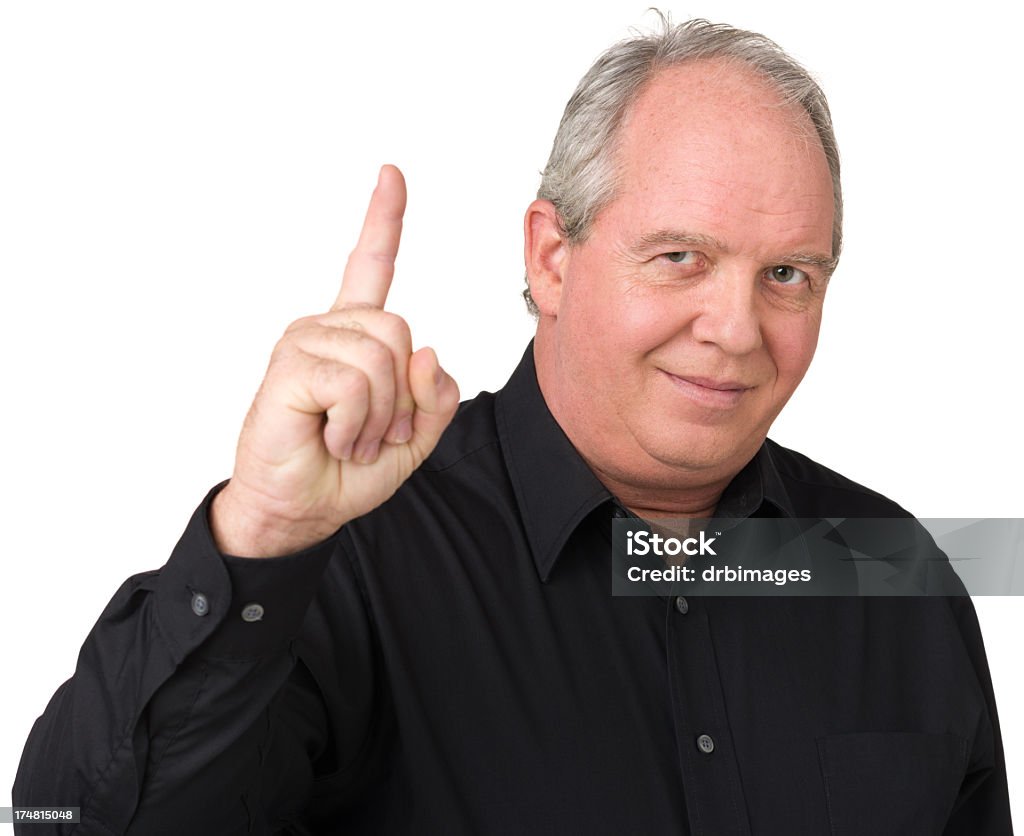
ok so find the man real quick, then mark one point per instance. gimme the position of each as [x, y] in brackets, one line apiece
[390, 620]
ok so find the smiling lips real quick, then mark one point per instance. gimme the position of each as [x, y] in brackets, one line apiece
[714, 394]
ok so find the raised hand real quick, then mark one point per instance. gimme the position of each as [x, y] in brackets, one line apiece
[346, 411]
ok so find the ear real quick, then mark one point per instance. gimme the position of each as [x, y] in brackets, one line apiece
[546, 252]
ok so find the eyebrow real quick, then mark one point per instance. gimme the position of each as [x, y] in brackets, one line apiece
[682, 240]
[672, 238]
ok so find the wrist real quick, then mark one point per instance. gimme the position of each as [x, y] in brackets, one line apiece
[242, 527]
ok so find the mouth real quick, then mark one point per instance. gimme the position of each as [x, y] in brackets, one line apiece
[708, 392]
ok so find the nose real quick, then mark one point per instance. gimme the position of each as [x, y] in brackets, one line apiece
[728, 313]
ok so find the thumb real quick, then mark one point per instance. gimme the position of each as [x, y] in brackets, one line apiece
[437, 397]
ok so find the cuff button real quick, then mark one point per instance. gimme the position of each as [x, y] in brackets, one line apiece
[252, 612]
[200, 603]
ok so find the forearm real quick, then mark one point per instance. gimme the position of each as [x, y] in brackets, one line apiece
[172, 688]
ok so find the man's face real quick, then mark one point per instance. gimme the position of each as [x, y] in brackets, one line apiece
[687, 318]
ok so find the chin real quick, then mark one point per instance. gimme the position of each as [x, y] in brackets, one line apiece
[695, 450]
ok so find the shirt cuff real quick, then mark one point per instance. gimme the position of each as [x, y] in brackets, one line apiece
[233, 607]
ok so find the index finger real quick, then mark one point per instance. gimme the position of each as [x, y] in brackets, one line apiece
[371, 264]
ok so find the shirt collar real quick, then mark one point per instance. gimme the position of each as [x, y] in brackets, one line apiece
[757, 490]
[554, 487]
[556, 490]
[773, 488]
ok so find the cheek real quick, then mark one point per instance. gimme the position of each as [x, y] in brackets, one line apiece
[636, 327]
[599, 314]
[792, 347]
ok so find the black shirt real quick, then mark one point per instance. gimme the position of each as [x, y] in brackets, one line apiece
[454, 662]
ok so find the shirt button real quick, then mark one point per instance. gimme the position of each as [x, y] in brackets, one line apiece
[682, 605]
[200, 603]
[252, 612]
[619, 513]
[706, 744]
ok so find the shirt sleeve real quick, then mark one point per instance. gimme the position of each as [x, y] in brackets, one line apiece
[983, 805]
[196, 704]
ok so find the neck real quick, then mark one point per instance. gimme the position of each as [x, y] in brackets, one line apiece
[653, 501]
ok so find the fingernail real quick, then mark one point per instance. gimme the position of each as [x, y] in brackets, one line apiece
[438, 375]
[368, 452]
[346, 451]
[403, 432]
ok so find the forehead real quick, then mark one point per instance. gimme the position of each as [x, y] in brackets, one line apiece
[713, 139]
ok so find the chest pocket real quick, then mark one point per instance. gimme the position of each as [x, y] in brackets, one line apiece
[882, 783]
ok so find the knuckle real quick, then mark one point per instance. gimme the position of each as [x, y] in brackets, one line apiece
[352, 325]
[377, 356]
[344, 382]
[353, 260]
[349, 394]
[345, 318]
[299, 324]
[283, 355]
[354, 385]
[396, 330]
[380, 257]
[372, 257]
[371, 262]
[344, 418]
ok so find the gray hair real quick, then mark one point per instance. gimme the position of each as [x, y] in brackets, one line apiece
[580, 177]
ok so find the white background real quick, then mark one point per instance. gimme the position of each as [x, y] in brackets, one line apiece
[178, 181]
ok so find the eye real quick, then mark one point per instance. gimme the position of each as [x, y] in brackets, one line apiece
[684, 257]
[786, 274]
